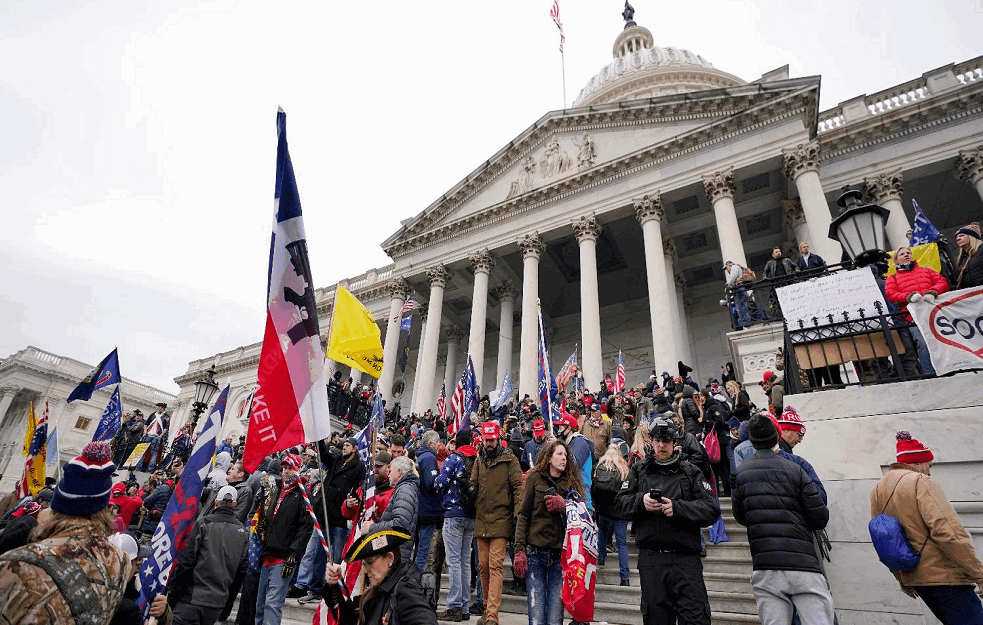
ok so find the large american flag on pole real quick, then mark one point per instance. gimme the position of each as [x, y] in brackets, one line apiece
[464, 401]
[567, 372]
[548, 402]
[555, 14]
[619, 383]
[407, 307]
[290, 406]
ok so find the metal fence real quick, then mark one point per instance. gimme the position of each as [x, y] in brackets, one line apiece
[867, 347]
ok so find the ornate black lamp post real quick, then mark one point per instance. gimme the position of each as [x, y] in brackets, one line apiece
[205, 387]
[860, 228]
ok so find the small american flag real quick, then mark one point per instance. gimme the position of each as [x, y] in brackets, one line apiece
[555, 14]
[442, 401]
[407, 307]
[619, 383]
[567, 372]
[464, 401]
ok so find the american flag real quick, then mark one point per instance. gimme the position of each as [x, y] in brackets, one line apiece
[464, 401]
[555, 14]
[366, 443]
[567, 372]
[442, 401]
[619, 383]
[407, 307]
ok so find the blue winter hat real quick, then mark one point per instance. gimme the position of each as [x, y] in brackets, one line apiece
[734, 422]
[86, 482]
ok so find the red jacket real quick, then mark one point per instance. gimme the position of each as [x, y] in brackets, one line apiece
[920, 279]
[380, 500]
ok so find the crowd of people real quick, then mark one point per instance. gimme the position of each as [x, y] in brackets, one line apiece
[650, 462]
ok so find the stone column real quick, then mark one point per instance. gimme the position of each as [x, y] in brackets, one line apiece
[390, 350]
[685, 310]
[482, 263]
[969, 167]
[7, 395]
[427, 367]
[795, 221]
[650, 213]
[506, 299]
[886, 191]
[532, 247]
[719, 188]
[424, 310]
[675, 322]
[801, 166]
[587, 231]
[452, 372]
[355, 375]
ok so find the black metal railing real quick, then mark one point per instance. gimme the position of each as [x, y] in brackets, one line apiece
[753, 303]
[867, 347]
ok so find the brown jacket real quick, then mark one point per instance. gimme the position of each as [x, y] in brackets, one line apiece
[29, 595]
[536, 525]
[499, 484]
[600, 435]
[931, 527]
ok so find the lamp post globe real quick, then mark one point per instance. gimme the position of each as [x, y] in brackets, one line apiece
[205, 388]
[860, 228]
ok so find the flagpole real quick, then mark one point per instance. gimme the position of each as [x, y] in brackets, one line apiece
[542, 349]
[324, 500]
[563, 71]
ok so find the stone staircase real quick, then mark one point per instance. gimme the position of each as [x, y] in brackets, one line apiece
[726, 571]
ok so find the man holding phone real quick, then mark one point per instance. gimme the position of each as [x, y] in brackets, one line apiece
[669, 501]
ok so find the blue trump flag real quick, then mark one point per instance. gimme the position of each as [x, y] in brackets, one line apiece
[112, 418]
[505, 392]
[548, 401]
[105, 373]
[923, 231]
[406, 324]
[175, 524]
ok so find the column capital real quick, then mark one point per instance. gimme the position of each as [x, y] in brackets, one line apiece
[424, 310]
[669, 249]
[398, 288]
[587, 228]
[649, 207]
[793, 212]
[505, 291]
[800, 159]
[719, 184]
[438, 275]
[680, 280]
[482, 261]
[969, 165]
[455, 334]
[532, 245]
[885, 187]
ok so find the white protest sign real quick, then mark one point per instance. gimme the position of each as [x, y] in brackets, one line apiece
[952, 326]
[846, 291]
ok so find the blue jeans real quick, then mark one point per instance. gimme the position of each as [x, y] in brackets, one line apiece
[953, 604]
[458, 534]
[544, 586]
[337, 536]
[272, 593]
[154, 446]
[619, 528]
[424, 536]
[924, 360]
[310, 573]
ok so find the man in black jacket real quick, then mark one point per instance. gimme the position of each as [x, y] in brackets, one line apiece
[781, 507]
[667, 530]
[215, 554]
[284, 527]
[345, 474]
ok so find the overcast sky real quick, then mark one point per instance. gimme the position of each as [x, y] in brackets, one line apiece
[137, 157]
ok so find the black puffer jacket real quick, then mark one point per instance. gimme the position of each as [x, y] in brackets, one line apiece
[399, 599]
[692, 502]
[286, 533]
[780, 505]
[973, 273]
[342, 478]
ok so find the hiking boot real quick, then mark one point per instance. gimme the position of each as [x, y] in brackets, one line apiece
[310, 597]
[624, 582]
[450, 615]
[477, 609]
[296, 593]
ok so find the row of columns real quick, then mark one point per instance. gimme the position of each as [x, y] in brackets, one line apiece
[810, 217]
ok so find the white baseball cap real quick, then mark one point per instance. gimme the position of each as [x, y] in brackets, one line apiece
[128, 545]
[227, 493]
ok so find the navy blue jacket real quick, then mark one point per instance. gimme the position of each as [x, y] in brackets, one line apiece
[431, 500]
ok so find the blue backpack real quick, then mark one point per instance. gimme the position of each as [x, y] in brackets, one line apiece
[890, 542]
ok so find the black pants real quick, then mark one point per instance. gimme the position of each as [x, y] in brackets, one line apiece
[233, 595]
[247, 601]
[672, 588]
[189, 614]
[953, 604]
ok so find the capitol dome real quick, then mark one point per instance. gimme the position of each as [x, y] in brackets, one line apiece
[643, 70]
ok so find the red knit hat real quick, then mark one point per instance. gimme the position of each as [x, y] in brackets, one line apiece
[767, 376]
[910, 451]
[790, 420]
[292, 461]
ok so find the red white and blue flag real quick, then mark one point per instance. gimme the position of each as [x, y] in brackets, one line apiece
[32, 479]
[407, 307]
[555, 14]
[442, 401]
[619, 382]
[290, 406]
[175, 524]
[548, 402]
[567, 372]
[464, 401]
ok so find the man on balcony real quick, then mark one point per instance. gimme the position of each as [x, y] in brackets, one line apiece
[778, 267]
[911, 283]
[808, 261]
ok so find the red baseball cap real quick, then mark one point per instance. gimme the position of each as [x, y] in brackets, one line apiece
[490, 430]
[571, 420]
[538, 427]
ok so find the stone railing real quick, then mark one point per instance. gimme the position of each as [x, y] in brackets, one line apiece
[358, 284]
[49, 358]
[918, 90]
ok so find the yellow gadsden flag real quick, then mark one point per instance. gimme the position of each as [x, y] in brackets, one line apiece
[355, 338]
[32, 424]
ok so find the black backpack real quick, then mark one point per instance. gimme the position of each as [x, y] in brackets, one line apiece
[468, 492]
[606, 483]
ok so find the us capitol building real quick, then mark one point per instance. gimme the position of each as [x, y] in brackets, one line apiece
[618, 214]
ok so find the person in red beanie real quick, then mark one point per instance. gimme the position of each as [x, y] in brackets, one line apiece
[949, 567]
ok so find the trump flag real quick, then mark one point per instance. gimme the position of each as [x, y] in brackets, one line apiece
[290, 406]
[105, 373]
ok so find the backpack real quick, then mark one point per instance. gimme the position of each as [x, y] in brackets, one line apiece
[468, 492]
[889, 540]
[747, 275]
[606, 482]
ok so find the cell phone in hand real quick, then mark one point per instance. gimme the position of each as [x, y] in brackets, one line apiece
[656, 495]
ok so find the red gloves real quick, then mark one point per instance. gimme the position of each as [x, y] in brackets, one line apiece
[555, 503]
[520, 563]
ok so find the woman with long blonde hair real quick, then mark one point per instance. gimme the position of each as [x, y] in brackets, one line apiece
[969, 265]
[611, 472]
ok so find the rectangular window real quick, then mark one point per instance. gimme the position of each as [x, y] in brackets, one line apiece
[694, 241]
[755, 183]
[82, 423]
[686, 205]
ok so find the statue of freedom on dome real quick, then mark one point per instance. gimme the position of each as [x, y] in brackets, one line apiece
[629, 15]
